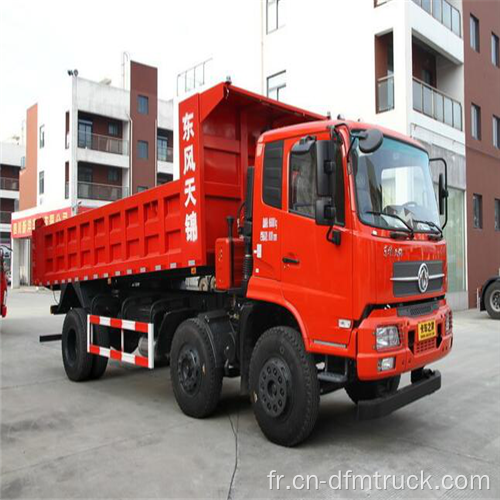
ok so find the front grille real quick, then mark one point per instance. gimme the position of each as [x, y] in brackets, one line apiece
[425, 345]
[410, 270]
[418, 309]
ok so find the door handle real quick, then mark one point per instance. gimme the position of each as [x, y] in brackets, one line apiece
[289, 260]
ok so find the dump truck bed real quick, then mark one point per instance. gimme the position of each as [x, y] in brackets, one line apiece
[173, 226]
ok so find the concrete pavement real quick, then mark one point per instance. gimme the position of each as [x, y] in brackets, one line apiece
[125, 437]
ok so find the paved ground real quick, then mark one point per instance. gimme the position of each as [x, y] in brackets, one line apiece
[124, 436]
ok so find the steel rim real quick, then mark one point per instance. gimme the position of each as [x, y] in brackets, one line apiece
[274, 381]
[495, 301]
[189, 369]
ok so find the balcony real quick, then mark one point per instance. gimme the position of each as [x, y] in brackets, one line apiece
[5, 217]
[443, 12]
[9, 184]
[437, 105]
[101, 192]
[102, 143]
[385, 93]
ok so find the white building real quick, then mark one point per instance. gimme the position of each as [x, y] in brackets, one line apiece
[397, 63]
[89, 145]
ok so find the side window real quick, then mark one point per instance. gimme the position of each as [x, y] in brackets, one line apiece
[272, 176]
[303, 192]
[303, 187]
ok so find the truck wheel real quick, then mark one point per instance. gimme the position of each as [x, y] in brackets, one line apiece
[284, 386]
[361, 390]
[196, 380]
[99, 363]
[492, 300]
[77, 361]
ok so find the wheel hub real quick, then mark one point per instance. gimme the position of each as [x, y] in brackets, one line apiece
[274, 378]
[189, 369]
[495, 300]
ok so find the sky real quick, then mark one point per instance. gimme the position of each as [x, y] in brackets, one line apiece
[41, 40]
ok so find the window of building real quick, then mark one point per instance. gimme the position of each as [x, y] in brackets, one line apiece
[142, 104]
[113, 129]
[85, 134]
[476, 122]
[113, 174]
[41, 183]
[495, 50]
[275, 15]
[276, 85]
[140, 189]
[85, 174]
[273, 171]
[474, 33]
[477, 208]
[497, 215]
[164, 178]
[496, 131]
[42, 136]
[142, 150]
[162, 149]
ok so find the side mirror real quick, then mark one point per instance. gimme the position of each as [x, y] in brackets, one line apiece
[325, 212]
[370, 140]
[325, 167]
[443, 194]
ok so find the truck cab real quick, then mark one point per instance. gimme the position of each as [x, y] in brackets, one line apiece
[348, 239]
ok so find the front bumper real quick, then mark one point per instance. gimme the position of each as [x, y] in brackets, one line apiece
[410, 354]
[380, 407]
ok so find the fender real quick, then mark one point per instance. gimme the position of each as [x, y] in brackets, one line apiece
[266, 290]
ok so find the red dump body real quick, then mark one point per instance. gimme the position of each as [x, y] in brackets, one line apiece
[174, 225]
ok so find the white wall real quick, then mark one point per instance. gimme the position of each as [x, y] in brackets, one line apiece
[11, 154]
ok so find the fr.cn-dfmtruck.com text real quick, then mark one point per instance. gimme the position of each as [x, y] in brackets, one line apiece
[348, 480]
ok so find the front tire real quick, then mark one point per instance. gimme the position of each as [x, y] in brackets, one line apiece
[77, 361]
[492, 300]
[196, 379]
[284, 387]
[366, 390]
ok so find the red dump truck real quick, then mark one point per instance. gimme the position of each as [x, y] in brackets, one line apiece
[316, 252]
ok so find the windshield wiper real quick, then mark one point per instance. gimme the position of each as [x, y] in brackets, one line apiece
[430, 224]
[410, 231]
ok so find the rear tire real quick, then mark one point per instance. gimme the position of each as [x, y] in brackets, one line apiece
[284, 386]
[362, 390]
[77, 361]
[492, 300]
[196, 380]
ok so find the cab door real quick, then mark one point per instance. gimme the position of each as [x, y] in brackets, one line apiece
[316, 274]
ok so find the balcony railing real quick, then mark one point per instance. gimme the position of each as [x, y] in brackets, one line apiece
[385, 93]
[166, 154]
[436, 104]
[5, 217]
[101, 192]
[444, 12]
[102, 143]
[9, 184]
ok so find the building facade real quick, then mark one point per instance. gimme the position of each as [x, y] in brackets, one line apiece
[396, 63]
[482, 119]
[12, 157]
[93, 146]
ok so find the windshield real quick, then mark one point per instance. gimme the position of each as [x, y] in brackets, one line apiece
[394, 188]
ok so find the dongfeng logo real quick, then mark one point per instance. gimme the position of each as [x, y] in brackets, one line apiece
[423, 278]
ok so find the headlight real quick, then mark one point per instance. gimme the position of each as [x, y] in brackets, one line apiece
[386, 337]
[385, 364]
